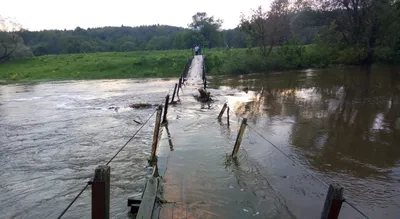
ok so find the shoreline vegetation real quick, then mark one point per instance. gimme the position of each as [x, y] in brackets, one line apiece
[288, 35]
[85, 66]
[169, 63]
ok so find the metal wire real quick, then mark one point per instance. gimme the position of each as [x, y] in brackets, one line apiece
[355, 208]
[133, 136]
[298, 164]
[73, 201]
[115, 155]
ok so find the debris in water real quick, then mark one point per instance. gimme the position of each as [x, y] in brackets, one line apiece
[204, 96]
[137, 122]
[116, 108]
[231, 187]
[141, 105]
[242, 190]
[245, 210]
[256, 213]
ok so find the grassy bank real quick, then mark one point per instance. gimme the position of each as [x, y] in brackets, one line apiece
[290, 57]
[96, 66]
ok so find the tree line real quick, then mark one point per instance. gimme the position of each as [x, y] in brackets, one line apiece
[362, 30]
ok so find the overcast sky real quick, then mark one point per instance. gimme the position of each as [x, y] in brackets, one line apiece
[68, 14]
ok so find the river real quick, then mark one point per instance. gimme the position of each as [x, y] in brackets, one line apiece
[342, 125]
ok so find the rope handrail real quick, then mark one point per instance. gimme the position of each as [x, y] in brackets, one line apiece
[355, 208]
[112, 158]
[73, 201]
[115, 155]
[302, 167]
[286, 155]
[133, 136]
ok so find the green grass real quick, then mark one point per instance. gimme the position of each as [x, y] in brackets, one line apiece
[110, 65]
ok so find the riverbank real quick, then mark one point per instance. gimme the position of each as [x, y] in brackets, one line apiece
[291, 57]
[168, 63]
[109, 65]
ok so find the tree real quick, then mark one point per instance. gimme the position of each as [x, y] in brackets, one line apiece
[363, 22]
[158, 43]
[8, 39]
[208, 27]
[11, 44]
[268, 28]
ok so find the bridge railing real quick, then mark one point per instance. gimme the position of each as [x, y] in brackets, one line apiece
[100, 183]
[334, 198]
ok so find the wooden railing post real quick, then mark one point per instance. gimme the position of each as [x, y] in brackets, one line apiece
[239, 137]
[333, 202]
[155, 136]
[222, 111]
[173, 95]
[166, 109]
[227, 118]
[101, 193]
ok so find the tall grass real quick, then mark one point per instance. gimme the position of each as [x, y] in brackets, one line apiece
[96, 66]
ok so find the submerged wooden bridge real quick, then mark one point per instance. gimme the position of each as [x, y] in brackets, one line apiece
[191, 152]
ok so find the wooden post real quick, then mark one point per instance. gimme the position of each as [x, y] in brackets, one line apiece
[166, 109]
[173, 95]
[155, 136]
[239, 137]
[205, 84]
[333, 202]
[101, 193]
[177, 89]
[222, 111]
[227, 118]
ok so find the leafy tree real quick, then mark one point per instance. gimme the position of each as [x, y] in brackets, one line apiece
[268, 28]
[363, 22]
[208, 27]
[11, 44]
[158, 43]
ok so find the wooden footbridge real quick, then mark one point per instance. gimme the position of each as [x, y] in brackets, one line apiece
[190, 153]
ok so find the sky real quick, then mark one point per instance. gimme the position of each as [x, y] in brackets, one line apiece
[68, 14]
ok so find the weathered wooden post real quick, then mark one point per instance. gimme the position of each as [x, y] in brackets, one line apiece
[222, 111]
[101, 193]
[177, 89]
[180, 82]
[333, 202]
[173, 95]
[166, 109]
[227, 118]
[239, 137]
[155, 136]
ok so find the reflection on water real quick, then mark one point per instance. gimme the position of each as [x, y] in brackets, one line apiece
[342, 123]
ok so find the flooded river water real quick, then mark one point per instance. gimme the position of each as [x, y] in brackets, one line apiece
[343, 125]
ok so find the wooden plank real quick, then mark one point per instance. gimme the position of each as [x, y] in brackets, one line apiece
[148, 200]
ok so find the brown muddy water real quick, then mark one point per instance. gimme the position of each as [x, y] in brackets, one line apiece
[343, 125]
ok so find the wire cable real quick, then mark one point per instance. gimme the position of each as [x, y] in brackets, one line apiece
[298, 164]
[133, 136]
[73, 201]
[355, 208]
